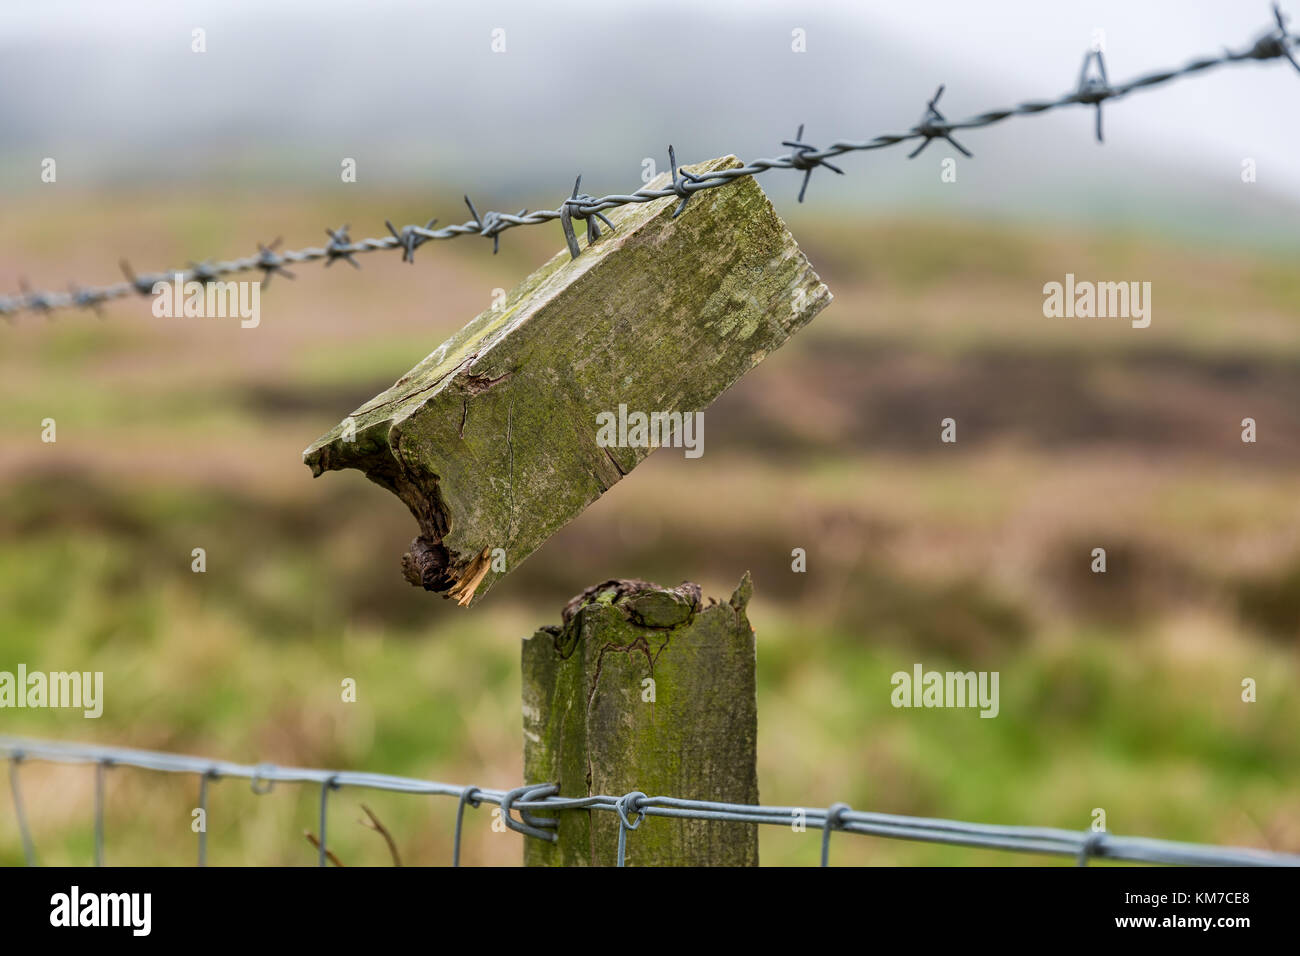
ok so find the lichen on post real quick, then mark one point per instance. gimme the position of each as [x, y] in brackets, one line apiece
[491, 440]
[644, 688]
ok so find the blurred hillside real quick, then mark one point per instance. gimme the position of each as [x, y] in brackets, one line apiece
[413, 92]
[1119, 691]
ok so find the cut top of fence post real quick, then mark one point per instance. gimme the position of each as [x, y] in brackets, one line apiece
[646, 689]
[492, 440]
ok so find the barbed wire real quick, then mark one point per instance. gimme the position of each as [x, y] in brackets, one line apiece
[631, 808]
[1093, 89]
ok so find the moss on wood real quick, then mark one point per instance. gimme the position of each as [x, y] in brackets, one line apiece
[490, 440]
[644, 688]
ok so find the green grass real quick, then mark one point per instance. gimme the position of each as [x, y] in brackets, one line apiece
[246, 661]
[1121, 693]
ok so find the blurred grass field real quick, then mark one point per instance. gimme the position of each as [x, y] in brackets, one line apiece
[1120, 691]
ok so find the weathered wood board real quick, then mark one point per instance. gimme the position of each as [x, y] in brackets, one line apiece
[491, 439]
[644, 688]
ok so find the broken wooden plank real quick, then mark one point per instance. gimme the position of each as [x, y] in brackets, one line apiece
[644, 688]
[491, 440]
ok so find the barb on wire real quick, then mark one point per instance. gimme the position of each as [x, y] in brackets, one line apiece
[934, 125]
[141, 284]
[632, 808]
[85, 299]
[574, 208]
[340, 247]
[1094, 88]
[680, 180]
[271, 263]
[800, 159]
[205, 272]
[37, 301]
[492, 224]
[410, 238]
[1091, 90]
[1280, 42]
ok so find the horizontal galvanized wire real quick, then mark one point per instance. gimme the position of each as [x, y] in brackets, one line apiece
[631, 809]
[1092, 90]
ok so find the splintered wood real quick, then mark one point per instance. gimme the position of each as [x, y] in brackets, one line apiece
[527, 415]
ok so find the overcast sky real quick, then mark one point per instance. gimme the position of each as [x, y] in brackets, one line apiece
[413, 91]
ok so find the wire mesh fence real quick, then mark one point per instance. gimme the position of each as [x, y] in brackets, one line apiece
[531, 800]
[1093, 89]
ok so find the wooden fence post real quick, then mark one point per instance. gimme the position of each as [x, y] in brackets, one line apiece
[644, 688]
[494, 440]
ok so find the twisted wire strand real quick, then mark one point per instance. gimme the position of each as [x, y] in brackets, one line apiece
[838, 817]
[1276, 43]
